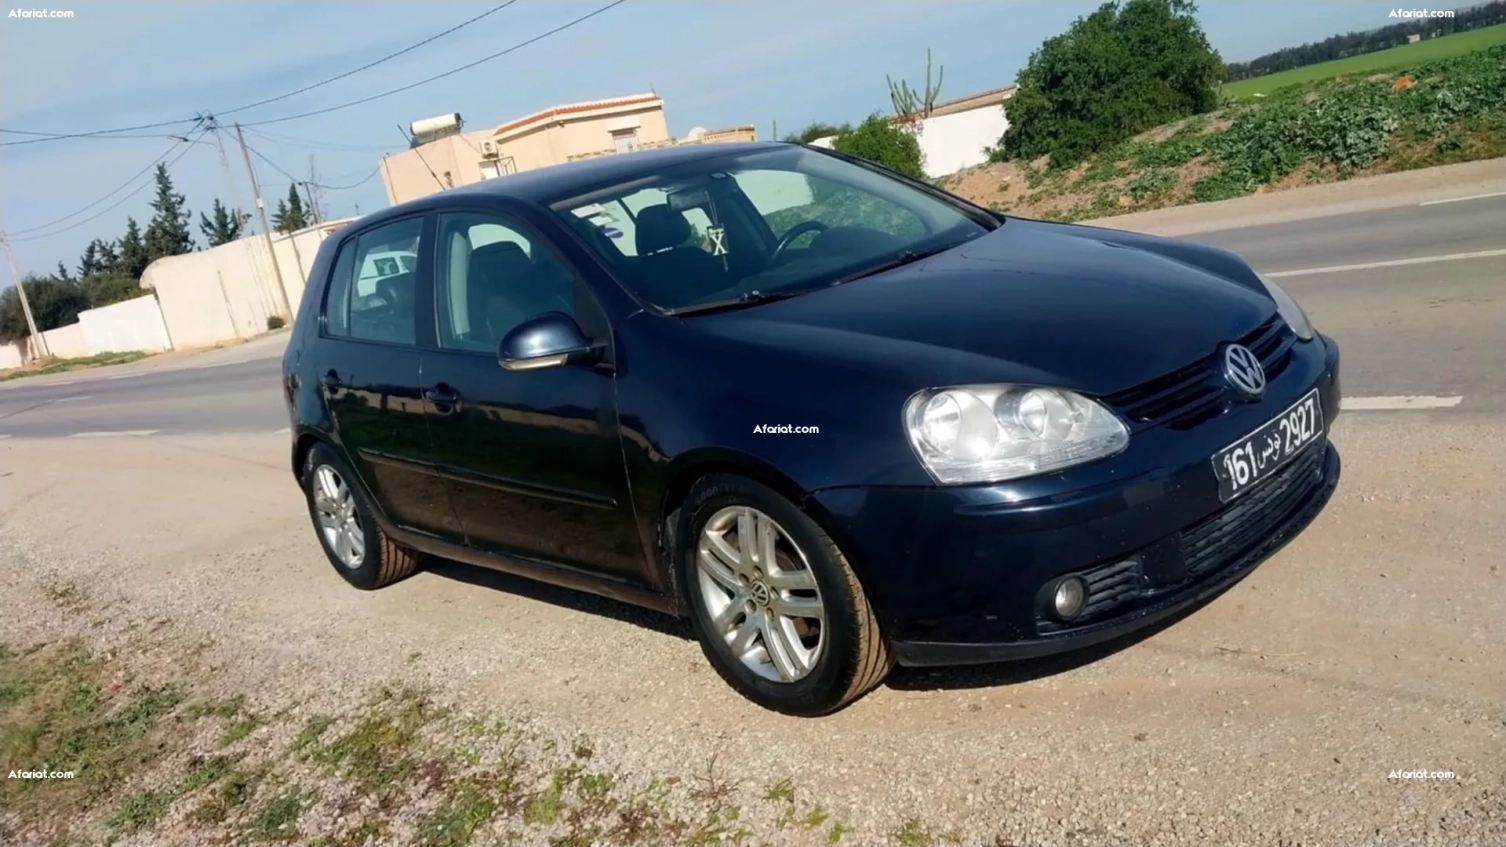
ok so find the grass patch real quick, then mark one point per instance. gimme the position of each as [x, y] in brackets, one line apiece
[1430, 50]
[377, 754]
[55, 366]
[278, 819]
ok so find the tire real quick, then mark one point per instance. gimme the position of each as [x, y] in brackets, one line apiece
[379, 561]
[845, 657]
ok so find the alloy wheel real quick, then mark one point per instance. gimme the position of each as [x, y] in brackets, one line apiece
[761, 594]
[338, 519]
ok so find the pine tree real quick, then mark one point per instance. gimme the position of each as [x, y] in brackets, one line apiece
[88, 263]
[133, 257]
[167, 234]
[225, 227]
[290, 216]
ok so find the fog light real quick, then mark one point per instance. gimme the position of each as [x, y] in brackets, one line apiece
[1069, 598]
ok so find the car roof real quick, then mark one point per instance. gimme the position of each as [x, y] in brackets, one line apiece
[547, 184]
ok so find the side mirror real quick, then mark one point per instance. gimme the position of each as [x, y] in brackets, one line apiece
[549, 340]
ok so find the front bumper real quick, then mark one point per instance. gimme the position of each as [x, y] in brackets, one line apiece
[956, 574]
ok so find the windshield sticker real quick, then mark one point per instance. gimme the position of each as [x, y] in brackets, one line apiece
[588, 210]
[718, 236]
[611, 232]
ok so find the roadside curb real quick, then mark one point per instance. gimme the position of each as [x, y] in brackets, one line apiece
[1385, 191]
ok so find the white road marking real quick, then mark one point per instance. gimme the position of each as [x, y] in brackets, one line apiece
[124, 376]
[57, 384]
[1408, 401]
[1393, 263]
[75, 397]
[1462, 199]
[283, 431]
[4, 435]
[121, 433]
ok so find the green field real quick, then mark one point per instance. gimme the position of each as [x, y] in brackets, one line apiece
[1382, 60]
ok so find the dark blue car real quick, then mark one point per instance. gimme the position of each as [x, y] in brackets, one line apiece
[838, 418]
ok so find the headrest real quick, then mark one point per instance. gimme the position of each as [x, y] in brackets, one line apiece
[660, 227]
[499, 257]
[397, 290]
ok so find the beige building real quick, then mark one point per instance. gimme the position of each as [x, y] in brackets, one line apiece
[549, 137]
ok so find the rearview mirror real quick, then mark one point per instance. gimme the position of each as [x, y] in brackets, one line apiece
[549, 340]
[690, 198]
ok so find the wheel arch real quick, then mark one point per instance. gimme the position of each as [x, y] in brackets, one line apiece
[691, 467]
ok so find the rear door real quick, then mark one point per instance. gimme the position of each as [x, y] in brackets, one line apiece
[533, 456]
[369, 363]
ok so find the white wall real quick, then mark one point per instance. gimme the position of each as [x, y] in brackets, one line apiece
[65, 342]
[130, 325]
[227, 292]
[949, 143]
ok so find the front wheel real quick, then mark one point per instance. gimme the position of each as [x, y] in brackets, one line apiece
[778, 610]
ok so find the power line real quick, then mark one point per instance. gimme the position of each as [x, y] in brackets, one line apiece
[113, 133]
[451, 72]
[117, 203]
[120, 188]
[275, 166]
[106, 133]
[306, 142]
[372, 64]
[364, 180]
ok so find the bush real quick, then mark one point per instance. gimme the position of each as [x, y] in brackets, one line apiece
[54, 303]
[879, 140]
[275, 322]
[1115, 73]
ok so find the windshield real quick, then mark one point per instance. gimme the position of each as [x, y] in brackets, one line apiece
[774, 222]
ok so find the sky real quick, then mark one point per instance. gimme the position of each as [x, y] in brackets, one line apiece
[716, 63]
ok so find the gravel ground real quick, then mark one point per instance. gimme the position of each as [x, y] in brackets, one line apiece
[1274, 715]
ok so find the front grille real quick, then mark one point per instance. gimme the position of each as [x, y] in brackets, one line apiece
[1249, 520]
[1196, 393]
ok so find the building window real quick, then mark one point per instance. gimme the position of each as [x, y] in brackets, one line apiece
[625, 140]
[490, 170]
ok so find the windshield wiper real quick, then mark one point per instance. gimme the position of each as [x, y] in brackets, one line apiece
[900, 259]
[752, 298]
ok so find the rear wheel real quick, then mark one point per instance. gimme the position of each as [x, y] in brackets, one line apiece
[346, 525]
[778, 610]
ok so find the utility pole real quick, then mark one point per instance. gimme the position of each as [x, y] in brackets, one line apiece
[266, 231]
[38, 340]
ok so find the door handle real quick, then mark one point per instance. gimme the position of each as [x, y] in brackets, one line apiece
[442, 398]
[331, 380]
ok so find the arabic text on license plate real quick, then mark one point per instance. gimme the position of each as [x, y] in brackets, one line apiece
[1260, 454]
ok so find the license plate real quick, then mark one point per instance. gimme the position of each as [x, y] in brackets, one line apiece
[1257, 456]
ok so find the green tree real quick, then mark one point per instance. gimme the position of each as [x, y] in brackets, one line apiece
[62, 273]
[131, 252]
[878, 139]
[102, 289]
[54, 303]
[290, 216]
[225, 227]
[818, 130]
[99, 256]
[167, 234]
[1115, 73]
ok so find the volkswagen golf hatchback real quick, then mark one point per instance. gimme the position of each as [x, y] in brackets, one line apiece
[838, 418]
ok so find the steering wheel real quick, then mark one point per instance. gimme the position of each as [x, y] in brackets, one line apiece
[793, 233]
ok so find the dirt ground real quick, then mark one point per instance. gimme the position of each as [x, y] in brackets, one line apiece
[1278, 713]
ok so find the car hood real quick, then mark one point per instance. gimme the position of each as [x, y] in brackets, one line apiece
[1088, 309]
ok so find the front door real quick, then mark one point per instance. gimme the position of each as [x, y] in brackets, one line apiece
[534, 456]
[369, 366]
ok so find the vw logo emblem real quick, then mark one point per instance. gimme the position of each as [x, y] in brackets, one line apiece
[760, 594]
[1243, 371]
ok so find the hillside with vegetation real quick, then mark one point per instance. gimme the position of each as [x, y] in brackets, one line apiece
[1432, 113]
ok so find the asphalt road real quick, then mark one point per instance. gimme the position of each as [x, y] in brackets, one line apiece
[1422, 328]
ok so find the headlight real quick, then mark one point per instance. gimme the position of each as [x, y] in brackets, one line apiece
[1289, 310]
[992, 433]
